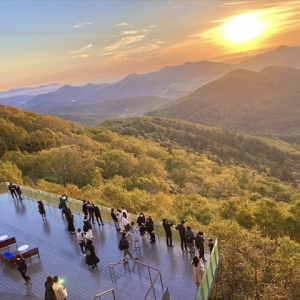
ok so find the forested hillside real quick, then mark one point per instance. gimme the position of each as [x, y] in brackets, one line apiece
[265, 102]
[148, 169]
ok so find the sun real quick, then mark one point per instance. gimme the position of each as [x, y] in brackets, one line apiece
[243, 28]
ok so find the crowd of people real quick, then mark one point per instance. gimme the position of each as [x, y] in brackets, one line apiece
[189, 242]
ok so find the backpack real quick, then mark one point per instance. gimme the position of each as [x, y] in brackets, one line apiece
[121, 246]
[189, 239]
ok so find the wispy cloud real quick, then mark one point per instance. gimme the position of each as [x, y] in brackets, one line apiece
[123, 24]
[82, 52]
[125, 41]
[151, 26]
[82, 24]
[88, 47]
[129, 32]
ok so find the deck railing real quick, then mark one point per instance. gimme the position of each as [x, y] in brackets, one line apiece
[76, 206]
[98, 297]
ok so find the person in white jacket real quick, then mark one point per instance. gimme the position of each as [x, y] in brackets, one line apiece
[136, 236]
[60, 291]
[125, 223]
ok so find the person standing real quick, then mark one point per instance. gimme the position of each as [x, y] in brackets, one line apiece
[150, 229]
[124, 245]
[115, 219]
[91, 212]
[199, 243]
[181, 229]
[12, 189]
[60, 291]
[81, 240]
[70, 219]
[22, 268]
[189, 236]
[62, 203]
[167, 226]
[66, 210]
[97, 213]
[197, 270]
[87, 227]
[19, 192]
[49, 293]
[84, 208]
[120, 217]
[211, 244]
[141, 221]
[136, 236]
[125, 223]
[42, 209]
[91, 258]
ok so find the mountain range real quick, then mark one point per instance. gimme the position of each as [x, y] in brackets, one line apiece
[255, 102]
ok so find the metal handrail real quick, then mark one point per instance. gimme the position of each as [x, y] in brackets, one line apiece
[103, 293]
[112, 265]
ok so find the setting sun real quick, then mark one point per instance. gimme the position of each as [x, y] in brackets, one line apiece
[243, 28]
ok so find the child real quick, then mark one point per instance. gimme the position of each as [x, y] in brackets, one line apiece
[211, 244]
[136, 236]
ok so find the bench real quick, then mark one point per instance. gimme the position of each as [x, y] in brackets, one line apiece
[9, 242]
[31, 253]
[11, 259]
[8, 258]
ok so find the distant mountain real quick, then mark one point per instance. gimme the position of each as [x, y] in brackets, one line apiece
[263, 102]
[66, 93]
[282, 56]
[93, 114]
[30, 90]
[15, 100]
[169, 82]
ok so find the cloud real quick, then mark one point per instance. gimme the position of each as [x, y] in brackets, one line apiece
[82, 55]
[123, 24]
[125, 41]
[144, 30]
[129, 32]
[88, 47]
[82, 24]
[151, 26]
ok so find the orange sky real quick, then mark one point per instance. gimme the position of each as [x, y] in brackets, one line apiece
[79, 42]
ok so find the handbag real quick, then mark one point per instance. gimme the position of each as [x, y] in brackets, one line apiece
[202, 271]
[87, 252]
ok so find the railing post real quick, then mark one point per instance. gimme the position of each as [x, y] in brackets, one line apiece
[162, 286]
[114, 294]
[150, 275]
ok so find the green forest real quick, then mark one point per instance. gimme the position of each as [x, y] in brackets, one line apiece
[243, 189]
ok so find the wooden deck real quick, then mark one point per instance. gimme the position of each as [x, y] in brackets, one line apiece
[61, 256]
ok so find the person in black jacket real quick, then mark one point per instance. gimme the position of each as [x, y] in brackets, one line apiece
[167, 226]
[125, 245]
[19, 192]
[22, 268]
[199, 243]
[70, 220]
[91, 258]
[84, 208]
[97, 214]
[42, 209]
[91, 212]
[66, 210]
[12, 189]
[87, 227]
[150, 229]
[141, 221]
[181, 229]
[114, 217]
[49, 293]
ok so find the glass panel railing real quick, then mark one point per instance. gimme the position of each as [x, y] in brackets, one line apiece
[208, 277]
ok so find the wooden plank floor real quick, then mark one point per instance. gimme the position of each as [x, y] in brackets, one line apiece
[61, 256]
